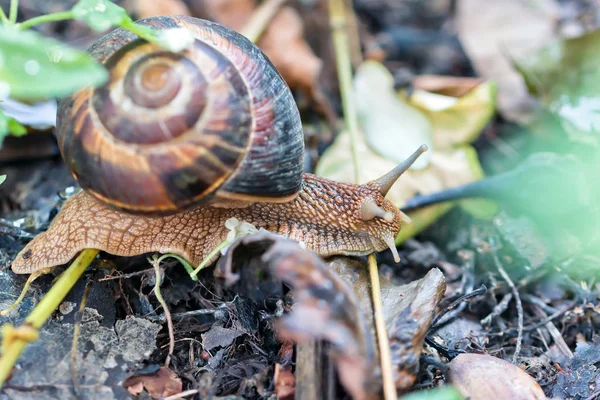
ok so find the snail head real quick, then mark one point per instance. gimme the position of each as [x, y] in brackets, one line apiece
[382, 219]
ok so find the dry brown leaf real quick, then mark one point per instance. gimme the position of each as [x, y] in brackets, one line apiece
[146, 9]
[492, 32]
[483, 377]
[283, 377]
[162, 383]
[217, 336]
[232, 13]
[325, 308]
[282, 41]
[407, 310]
[285, 382]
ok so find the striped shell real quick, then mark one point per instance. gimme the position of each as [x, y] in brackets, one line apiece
[173, 130]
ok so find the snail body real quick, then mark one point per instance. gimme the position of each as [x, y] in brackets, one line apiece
[175, 144]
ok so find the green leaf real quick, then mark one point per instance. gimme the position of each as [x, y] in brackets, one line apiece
[443, 393]
[10, 126]
[100, 15]
[566, 78]
[2, 179]
[35, 67]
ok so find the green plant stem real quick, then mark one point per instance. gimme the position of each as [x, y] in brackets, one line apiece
[14, 8]
[43, 311]
[3, 16]
[140, 30]
[213, 253]
[341, 45]
[163, 303]
[59, 16]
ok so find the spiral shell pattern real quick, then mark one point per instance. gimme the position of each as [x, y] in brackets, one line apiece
[173, 130]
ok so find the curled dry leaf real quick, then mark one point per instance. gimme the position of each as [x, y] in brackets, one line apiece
[324, 306]
[458, 109]
[483, 377]
[407, 309]
[495, 33]
[162, 383]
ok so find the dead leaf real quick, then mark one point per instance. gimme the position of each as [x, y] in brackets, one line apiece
[407, 309]
[483, 377]
[285, 382]
[324, 307]
[282, 41]
[145, 9]
[457, 119]
[581, 374]
[218, 336]
[493, 33]
[231, 13]
[162, 383]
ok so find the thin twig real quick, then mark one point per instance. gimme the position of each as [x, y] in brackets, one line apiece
[76, 334]
[498, 309]
[125, 276]
[16, 339]
[182, 394]
[217, 313]
[165, 307]
[260, 18]
[518, 304]
[455, 308]
[389, 388]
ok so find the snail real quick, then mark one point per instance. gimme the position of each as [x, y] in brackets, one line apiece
[176, 144]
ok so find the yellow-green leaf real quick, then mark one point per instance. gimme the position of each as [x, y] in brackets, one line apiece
[392, 127]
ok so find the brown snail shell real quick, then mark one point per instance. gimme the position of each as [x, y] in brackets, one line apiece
[173, 130]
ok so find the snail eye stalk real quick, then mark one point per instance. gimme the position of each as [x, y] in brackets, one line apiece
[387, 181]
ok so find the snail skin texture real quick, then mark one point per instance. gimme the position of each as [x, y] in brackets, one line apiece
[175, 144]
